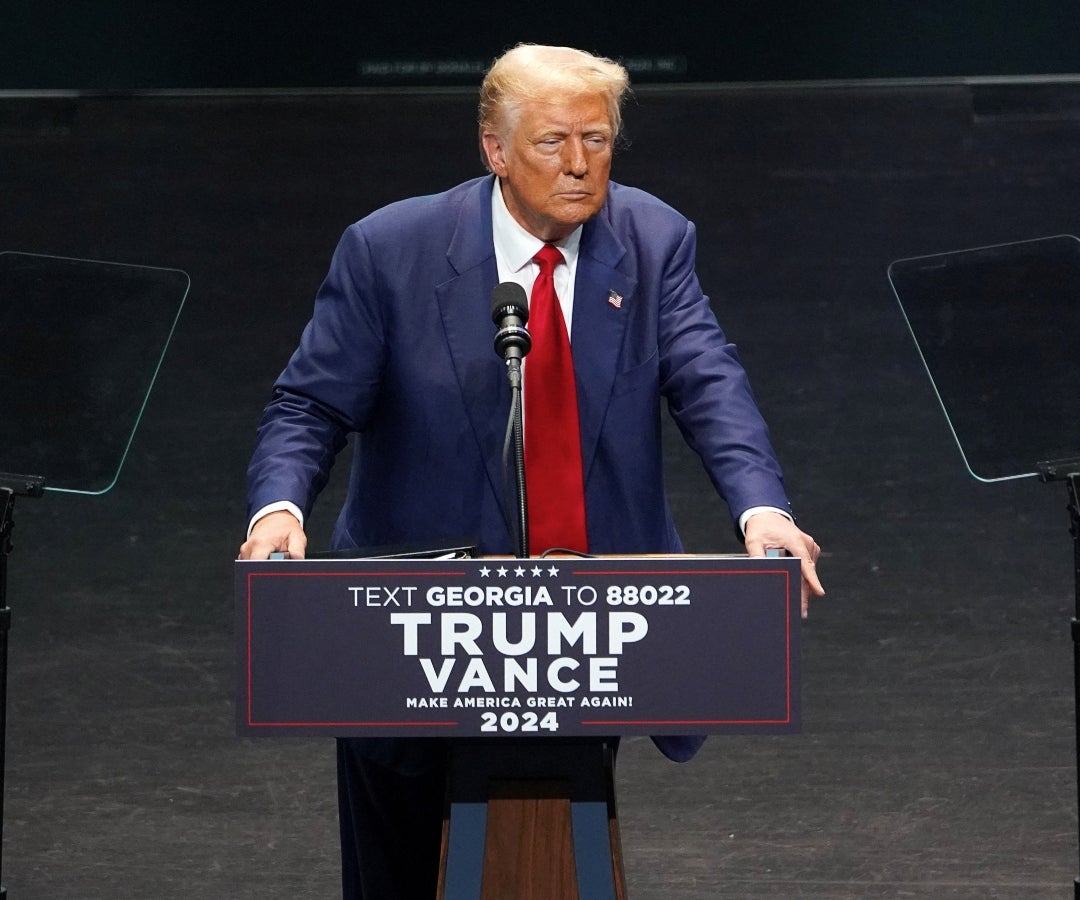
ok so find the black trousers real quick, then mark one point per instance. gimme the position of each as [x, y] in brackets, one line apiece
[390, 810]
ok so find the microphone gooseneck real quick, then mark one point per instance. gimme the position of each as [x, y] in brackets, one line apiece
[510, 312]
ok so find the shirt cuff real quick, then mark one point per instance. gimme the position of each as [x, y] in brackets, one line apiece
[754, 510]
[286, 505]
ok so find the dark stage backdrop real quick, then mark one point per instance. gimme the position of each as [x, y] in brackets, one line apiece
[118, 45]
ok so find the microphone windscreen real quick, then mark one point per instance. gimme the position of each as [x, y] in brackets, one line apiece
[509, 298]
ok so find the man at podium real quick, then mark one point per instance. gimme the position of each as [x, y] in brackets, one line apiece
[399, 352]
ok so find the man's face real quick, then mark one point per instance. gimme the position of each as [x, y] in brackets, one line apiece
[554, 163]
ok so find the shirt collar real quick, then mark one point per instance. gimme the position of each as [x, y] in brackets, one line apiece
[514, 245]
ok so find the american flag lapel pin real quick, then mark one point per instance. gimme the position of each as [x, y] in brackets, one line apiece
[615, 299]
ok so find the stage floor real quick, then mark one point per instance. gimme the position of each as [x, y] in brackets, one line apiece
[937, 757]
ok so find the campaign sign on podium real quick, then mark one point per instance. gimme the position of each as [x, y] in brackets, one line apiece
[527, 647]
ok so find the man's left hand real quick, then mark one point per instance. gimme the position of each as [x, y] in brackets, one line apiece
[772, 531]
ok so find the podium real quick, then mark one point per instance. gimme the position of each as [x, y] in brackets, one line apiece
[532, 668]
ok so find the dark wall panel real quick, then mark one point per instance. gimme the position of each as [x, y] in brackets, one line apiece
[126, 44]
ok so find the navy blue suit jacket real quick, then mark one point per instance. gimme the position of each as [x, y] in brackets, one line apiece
[399, 350]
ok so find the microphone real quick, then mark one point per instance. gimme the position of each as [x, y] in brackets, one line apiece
[510, 311]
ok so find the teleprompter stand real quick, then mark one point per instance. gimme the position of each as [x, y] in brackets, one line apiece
[11, 486]
[1069, 471]
[996, 328]
[87, 339]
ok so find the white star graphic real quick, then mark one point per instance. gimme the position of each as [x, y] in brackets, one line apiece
[519, 571]
[553, 571]
[484, 572]
[537, 571]
[501, 571]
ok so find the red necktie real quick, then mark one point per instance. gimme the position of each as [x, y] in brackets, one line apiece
[552, 436]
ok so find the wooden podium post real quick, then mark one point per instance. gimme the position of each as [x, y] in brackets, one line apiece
[529, 668]
[532, 820]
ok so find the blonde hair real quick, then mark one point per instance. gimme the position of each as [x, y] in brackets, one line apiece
[531, 72]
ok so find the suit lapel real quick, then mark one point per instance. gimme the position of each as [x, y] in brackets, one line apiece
[598, 327]
[465, 309]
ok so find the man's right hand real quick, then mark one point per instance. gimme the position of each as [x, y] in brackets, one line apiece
[276, 532]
